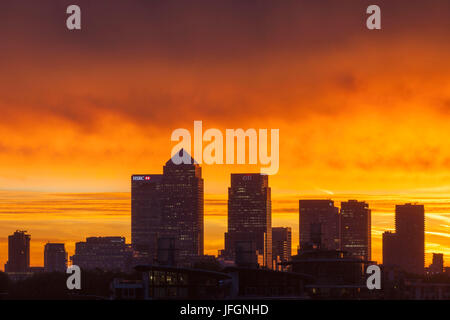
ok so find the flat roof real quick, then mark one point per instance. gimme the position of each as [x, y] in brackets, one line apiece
[213, 274]
[271, 272]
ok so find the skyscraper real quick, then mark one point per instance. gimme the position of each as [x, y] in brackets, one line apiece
[319, 224]
[281, 244]
[249, 217]
[169, 206]
[182, 204]
[55, 257]
[410, 229]
[146, 216]
[390, 249]
[356, 228]
[406, 248]
[18, 252]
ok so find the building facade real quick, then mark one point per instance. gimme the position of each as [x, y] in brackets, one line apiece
[336, 274]
[390, 249]
[437, 266]
[356, 229]
[168, 206]
[169, 283]
[55, 257]
[146, 216]
[281, 244]
[104, 253]
[410, 229]
[18, 252]
[319, 225]
[249, 219]
[405, 248]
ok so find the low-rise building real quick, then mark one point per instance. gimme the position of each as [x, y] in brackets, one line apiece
[104, 253]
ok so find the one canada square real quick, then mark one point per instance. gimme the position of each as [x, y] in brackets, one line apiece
[167, 213]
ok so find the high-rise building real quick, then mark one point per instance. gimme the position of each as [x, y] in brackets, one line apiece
[246, 254]
[146, 216]
[410, 229]
[390, 249]
[166, 251]
[437, 266]
[182, 204]
[169, 206]
[104, 253]
[55, 257]
[319, 225]
[249, 219]
[406, 248]
[18, 252]
[356, 229]
[281, 244]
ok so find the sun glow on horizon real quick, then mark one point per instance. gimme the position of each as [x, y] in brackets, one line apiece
[71, 217]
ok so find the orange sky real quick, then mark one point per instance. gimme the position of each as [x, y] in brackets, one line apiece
[362, 114]
[71, 217]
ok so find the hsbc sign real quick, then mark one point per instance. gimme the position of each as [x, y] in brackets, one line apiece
[141, 178]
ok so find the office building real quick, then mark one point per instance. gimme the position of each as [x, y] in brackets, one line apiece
[406, 248]
[168, 206]
[104, 253]
[18, 252]
[281, 244]
[390, 249]
[437, 266]
[335, 274]
[410, 229]
[55, 257]
[146, 216]
[356, 229]
[249, 220]
[319, 225]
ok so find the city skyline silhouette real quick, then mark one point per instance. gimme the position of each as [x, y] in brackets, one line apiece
[214, 233]
[356, 96]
